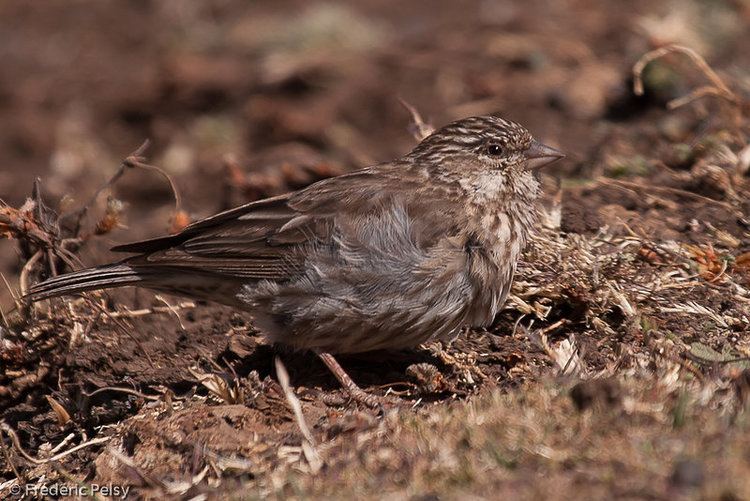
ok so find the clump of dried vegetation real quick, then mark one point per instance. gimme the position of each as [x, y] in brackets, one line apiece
[627, 353]
[648, 343]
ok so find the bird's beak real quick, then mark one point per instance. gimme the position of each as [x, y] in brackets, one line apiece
[538, 155]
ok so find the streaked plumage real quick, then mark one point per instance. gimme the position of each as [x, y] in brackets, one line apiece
[390, 256]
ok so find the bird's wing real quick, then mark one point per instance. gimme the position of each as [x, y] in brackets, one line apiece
[270, 238]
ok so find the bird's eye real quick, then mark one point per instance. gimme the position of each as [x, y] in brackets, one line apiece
[494, 150]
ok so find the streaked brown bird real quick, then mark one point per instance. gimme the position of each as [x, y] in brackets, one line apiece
[387, 257]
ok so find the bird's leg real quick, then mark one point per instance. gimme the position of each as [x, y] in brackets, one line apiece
[357, 393]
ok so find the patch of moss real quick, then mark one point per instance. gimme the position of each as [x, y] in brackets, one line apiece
[628, 167]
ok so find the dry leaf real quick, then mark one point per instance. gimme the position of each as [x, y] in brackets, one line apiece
[62, 415]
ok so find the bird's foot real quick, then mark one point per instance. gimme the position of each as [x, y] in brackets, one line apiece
[355, 392]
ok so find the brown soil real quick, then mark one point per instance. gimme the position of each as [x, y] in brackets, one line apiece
[641, 269]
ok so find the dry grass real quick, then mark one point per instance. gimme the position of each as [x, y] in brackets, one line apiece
[631, 378]
[657, 437]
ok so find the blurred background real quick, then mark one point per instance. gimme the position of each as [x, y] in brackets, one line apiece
[246, 99]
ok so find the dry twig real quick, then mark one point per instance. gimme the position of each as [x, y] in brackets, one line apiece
[23, 280]
[308, 444]
[419, 128]
[129, 391]
[153, 310]
[133, 160]
[4, 427]
[667, 189]
[717, 88]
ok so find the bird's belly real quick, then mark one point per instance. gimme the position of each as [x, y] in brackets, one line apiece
[378, 288]
[342, 322]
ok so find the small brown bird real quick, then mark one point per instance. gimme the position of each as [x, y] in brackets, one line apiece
[387, 257]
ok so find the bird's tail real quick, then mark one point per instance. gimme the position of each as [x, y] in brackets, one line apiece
[101, 277]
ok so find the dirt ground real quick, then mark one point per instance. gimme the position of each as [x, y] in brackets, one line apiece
[619, 368]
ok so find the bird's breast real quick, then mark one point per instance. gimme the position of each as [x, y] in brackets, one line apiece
[495, 247]
[502, 237]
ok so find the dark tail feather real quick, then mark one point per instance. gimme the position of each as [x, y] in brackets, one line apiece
[102, 277]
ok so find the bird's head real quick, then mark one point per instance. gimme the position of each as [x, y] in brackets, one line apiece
[492, 142]
[488, 156]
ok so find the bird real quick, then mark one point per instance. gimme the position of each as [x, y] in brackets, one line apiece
[387, 257]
